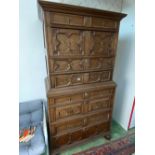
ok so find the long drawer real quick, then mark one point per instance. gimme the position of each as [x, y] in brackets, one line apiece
[67, 65]
[65, 96]
[75, 136]
[66, 80]
[80, 20]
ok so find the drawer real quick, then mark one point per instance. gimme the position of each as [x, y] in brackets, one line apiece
[96, 129]
[67, 19]
[99, 116]
[79, 20]
[98, 104]
[63, 100]
[66, 80]
[102, 93]
[77, 65]
[66, 125]
[99, 63]
[66, 42]
[66, 139]
[66, 65]
[104, 23]
[59, 141]
[94, 77]
[61, 112]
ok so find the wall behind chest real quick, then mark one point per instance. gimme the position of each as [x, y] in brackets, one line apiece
[111, 5]
[124, 74]
[31, 52]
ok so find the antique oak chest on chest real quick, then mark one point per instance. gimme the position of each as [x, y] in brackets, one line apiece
[80, 54]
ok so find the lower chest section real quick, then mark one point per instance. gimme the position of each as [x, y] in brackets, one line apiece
[76, 116]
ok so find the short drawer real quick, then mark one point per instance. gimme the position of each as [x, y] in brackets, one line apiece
[98, 104]
[66, 65]
[99, 94]
[99, 63]
[104, 23]
[99, 116]
[66, 139]
[66, 80]
[96, 129]
[67, 99]
[66, 125]
[61, 112]
[67, 19]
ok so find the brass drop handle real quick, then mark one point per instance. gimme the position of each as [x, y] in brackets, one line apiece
[78, 79]
[70, 140]
[86, 94]
[68, 67]
[69, 83]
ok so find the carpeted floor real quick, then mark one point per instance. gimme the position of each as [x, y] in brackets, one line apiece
[117, 132]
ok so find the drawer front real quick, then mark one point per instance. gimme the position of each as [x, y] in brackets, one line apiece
[98, 104]
[103, 23]
[66, 139]
[79, 20]
[59, 141]
[66, 125]
[60, 112]
[58, 81]
[96, 129]
[99, 63]
[66, 42]
[94, 77]
[67, 19]
[100, 116]
[66, 65]
[63, 100]
[103, 93]
[66, 80]
[77, 65]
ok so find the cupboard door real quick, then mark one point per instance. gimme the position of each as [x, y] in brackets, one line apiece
[66, 42]
[100, 43]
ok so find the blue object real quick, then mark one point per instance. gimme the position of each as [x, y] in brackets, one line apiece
[31, 113]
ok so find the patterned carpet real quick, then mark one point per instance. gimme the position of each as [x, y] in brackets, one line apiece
[122, 146]
[117, 132]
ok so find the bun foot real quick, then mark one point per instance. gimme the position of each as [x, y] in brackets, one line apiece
[107, 137]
